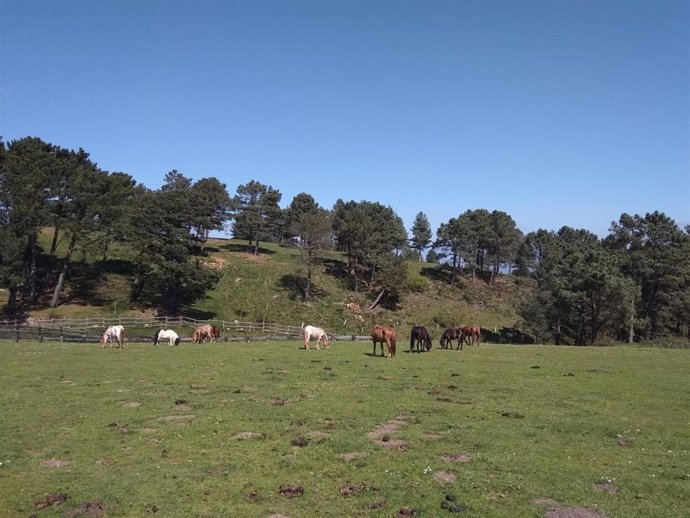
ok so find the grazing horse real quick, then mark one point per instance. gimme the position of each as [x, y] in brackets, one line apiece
[205, 332]
[116, 333]
[450, 334]
[171, 335]
[310, 332]
[384, 334]
[420, 339]
[472, 334]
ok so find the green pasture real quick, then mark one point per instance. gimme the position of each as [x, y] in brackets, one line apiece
[215, 430]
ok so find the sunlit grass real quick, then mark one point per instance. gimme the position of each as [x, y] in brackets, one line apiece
[215, 430]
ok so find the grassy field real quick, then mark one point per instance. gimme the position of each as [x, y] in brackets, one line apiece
[217, 430]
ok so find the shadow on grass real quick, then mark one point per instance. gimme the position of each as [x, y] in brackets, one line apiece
[236, 247]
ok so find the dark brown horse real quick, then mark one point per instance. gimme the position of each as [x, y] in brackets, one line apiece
[450, 334]
[384, 334]
[472, 334]
[420, 339]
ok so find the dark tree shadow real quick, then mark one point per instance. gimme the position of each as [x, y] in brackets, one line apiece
[338, 270]
[237, 247]
[199, 314]
[506, 335]
[296, 285]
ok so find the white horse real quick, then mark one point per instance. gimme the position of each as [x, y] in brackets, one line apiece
[116, 333]
[171, 335]
[310, 332]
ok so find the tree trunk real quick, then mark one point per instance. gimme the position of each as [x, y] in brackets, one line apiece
[307, 288]
[631, 324]
[558, 332]
[30, 281]
[63, 273]
[378, 299]
[53, 244]
[12, 299]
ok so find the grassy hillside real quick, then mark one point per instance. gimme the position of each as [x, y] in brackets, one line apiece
[264, 288]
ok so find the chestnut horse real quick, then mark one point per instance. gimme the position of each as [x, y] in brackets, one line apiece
[450, 334]
[384, 334]
[205, 332]
[473, 334]
[420, 339]
[114, 332]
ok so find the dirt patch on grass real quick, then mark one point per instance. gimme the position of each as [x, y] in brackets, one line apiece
[55, 463]
[104, 462]
[463, 457]
[381, 435]
[444, 477]
[352, 489]
[351, 455]
[624, 441]
[90, 509]
[48, 500]
[132, 404]
[290, 491]
[177, 418]
[557, 510]
[607, 487]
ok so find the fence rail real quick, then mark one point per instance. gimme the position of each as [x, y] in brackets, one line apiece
[141, 329]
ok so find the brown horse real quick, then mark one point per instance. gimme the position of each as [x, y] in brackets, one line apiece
[420, 339]
[450, 334]
[384, 334]
[472, 334]
[205, 332]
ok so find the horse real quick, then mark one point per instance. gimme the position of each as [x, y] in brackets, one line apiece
[114, 332]
[472, 334]
[384, 334]
[450, 334]
[205, 332]
[310, 332]
[420, 338]
[171, 335]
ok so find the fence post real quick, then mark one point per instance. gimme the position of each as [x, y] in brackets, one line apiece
[16, 328]
[62, 335]
[40, 335]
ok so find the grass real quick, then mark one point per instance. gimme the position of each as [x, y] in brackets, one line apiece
[532, 422]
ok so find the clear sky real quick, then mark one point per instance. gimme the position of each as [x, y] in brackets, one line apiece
[558, 112]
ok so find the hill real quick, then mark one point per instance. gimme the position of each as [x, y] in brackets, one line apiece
[265, 288]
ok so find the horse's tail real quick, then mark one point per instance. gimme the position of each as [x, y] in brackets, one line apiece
[155, 337]
[412, 338]
[393, 340]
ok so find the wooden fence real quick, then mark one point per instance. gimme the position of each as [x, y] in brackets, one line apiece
[139, 329]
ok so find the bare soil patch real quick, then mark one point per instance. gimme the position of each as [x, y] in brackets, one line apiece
[352, 490]
[557, 510]
[290, 491]
[609, 488]
[351, 455]
[444, 477]
[90, 509]
[389, 427]
[132, 404]
[48, 500]
[176, 418]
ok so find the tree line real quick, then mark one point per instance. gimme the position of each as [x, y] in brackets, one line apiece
[632, 285]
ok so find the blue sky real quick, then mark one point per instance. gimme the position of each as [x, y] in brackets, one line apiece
[556, 112]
